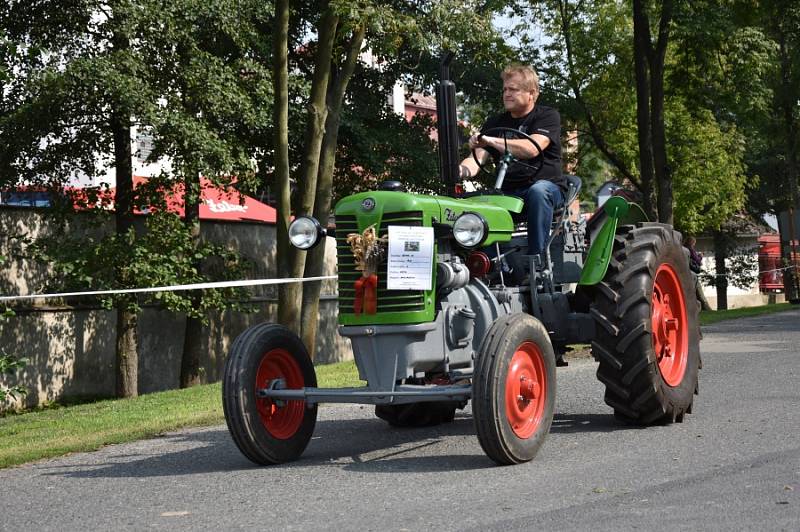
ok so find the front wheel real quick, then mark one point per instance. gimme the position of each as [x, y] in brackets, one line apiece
[514, 389]
[268, 431]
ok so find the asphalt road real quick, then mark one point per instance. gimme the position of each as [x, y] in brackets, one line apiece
[733, 465]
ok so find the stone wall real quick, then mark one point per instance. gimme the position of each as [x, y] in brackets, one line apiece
[71, 348]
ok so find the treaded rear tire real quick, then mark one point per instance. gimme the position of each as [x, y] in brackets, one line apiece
[264, 432]
[635, 375]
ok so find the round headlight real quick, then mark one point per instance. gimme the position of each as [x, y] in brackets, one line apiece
[470, 229]
[305, 232]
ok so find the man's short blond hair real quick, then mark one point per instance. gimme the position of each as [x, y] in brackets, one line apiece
[530, 79]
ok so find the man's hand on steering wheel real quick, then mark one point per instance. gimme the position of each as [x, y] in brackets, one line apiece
[477, 141]
[480, 142]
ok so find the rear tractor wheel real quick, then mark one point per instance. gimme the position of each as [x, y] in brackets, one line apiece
[647, 340]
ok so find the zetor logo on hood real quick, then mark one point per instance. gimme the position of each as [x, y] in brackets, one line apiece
[450, 215]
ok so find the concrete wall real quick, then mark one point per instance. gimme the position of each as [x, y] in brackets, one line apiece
[71, 348]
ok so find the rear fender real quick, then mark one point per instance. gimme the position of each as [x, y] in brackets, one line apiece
[618, 212]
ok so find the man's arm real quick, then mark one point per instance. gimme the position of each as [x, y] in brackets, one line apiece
[522, 149]
[468, 167]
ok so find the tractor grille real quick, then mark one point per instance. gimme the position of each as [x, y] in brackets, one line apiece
[388, 300]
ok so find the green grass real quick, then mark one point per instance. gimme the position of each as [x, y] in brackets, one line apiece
[58, 430]
[339, 375]
[707, 317]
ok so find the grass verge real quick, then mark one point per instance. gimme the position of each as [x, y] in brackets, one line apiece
[707, 317]
[58, 430]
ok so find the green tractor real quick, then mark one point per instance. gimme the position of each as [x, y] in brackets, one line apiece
[442, 307]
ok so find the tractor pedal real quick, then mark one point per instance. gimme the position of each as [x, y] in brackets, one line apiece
[560, 362]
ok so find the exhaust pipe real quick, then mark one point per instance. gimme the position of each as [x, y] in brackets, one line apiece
[447, 125]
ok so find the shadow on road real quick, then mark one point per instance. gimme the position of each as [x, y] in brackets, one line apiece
[362, 445]
[211, 451]
[580, 423]
[376, 447]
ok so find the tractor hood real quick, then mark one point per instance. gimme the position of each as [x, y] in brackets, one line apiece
[369, 208]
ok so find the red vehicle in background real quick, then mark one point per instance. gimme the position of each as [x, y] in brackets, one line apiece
[770, 278]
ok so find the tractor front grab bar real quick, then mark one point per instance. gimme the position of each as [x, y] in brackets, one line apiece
[404, 393]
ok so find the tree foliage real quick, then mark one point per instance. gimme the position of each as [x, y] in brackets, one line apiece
[587, 67]
[9, 365]
[780, 22]
[708, 170]
[186, 74]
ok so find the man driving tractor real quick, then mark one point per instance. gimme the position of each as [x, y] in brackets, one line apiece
[541, 186]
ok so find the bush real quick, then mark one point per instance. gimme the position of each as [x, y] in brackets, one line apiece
[8, 366]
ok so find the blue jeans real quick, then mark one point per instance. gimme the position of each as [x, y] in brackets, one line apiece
[541, 199]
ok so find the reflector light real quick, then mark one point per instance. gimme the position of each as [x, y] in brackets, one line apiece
[478, 264]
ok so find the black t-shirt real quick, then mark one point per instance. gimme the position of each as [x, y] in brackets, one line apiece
[542, 120]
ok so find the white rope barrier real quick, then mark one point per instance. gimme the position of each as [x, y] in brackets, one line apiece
[223, 284]
[173, 288]
[759, 272]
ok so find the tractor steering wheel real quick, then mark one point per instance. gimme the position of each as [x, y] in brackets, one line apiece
[507, 157]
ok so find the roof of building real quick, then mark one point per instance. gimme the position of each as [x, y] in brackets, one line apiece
[422, 101]
[743, 224]
[218, 203]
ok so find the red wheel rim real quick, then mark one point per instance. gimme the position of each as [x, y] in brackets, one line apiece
[670, 325]
[526, 390]
[281, 420]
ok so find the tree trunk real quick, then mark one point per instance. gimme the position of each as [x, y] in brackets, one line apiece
[190, 358]
[663, 176]
[787, 100]
[287, 314]
[127, 360]
[317, 113]
[290, 303]
[720, 254]
[315, 259]
[127, 356]
[123, 198]
[641, 51]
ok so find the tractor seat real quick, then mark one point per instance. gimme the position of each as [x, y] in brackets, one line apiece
[573, 189]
